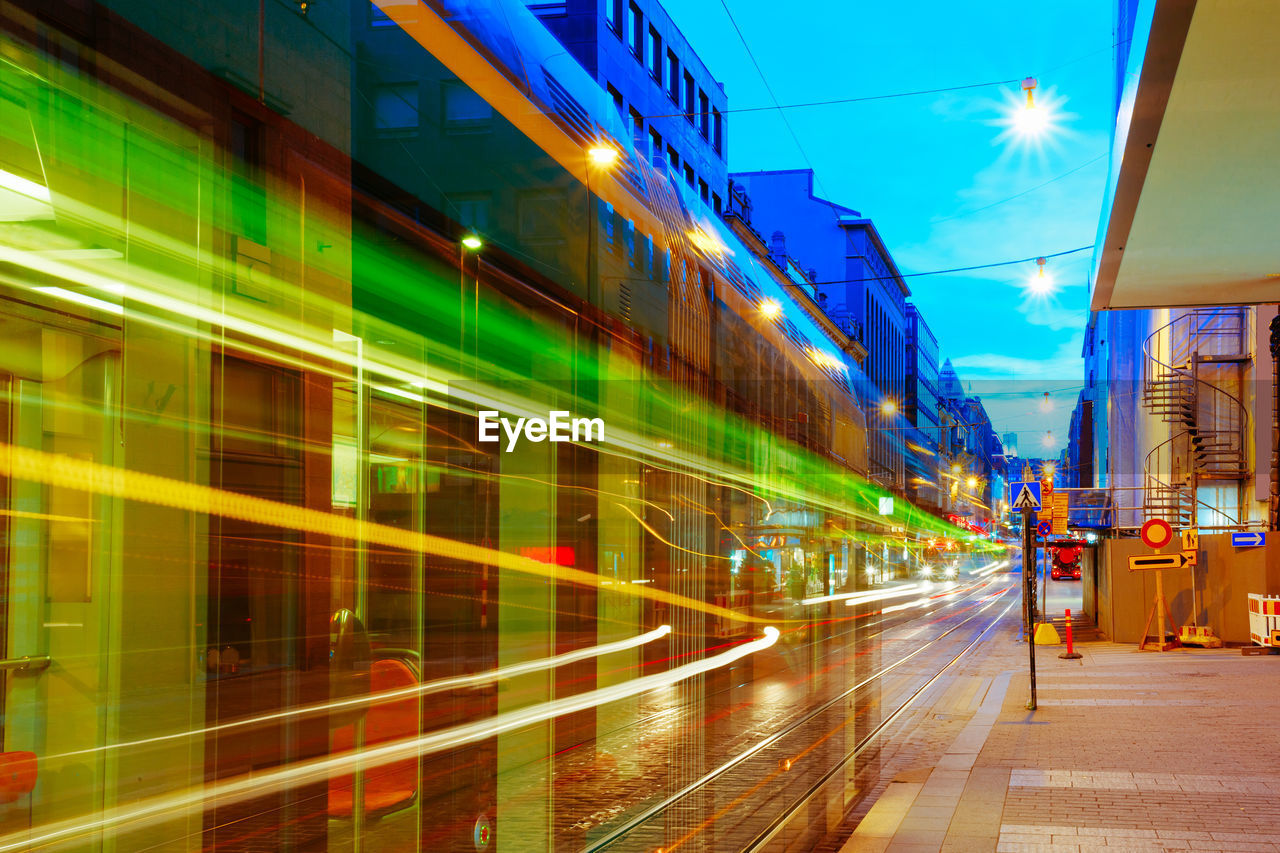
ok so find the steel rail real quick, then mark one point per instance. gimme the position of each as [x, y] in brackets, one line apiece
[780, 822]
[649, 813]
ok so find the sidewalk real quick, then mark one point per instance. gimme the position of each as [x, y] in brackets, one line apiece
[1128, 750]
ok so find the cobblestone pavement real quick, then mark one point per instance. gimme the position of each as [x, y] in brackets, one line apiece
[1128, 750]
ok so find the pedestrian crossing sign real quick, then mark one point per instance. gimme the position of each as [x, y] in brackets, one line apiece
[1024, 495]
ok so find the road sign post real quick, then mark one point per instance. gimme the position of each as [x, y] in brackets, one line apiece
[1252, 539]
[1029, 594]
[1160, 607]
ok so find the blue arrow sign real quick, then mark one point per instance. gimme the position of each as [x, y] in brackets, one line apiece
[1248, 540]
[1024, 496]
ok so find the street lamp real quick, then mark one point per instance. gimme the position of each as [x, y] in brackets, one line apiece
[770, 308]
[1031, 120]
[603, 155]
[888, 407]
[1040, 284]
[472, 242]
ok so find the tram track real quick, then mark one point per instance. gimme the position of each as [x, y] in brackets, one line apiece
[648, 815]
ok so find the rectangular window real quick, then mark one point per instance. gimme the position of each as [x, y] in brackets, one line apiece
[689, 89]
[688, 174]
[704, 191]
[464, 110]
[716, 204]
[471, 210]
[655, 54]
[617, 99]
[395, 109]
[248, 199]
[636, 120]
[615, 17]
[635, 31]
[673, 159]
[717, 131]
[673, 76]
[704, 114]
[655, 147]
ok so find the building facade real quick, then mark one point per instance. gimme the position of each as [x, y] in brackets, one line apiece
[858, 283]
[674, 109]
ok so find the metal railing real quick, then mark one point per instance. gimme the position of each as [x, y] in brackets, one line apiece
[1208, 424]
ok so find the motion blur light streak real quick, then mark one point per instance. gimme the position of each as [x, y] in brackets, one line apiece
[147, 812]
[81, 475]
[370, 699]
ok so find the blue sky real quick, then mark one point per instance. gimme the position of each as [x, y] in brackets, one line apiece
[922, 166]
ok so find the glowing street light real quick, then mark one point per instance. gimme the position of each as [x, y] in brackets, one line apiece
[472, 242]
[1047, 441]
[972, 483]
[1031, 120]
[603, 155]
[1041, 284]
[888, 407]
[1046, 404]
[770, 308]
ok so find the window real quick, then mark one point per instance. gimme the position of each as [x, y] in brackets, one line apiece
[688, 96]
[704, 115]
[716, 204]
[636, 120]
[655, 55]
[673, 159]
[717, 131]
[615, 17]
[635, 31]
[704, 192]
[673, 77]
[464, 110]
[655, 146]
[688, 174]
[395, 109]
[617, 99]
[471, 210]
[248, 200]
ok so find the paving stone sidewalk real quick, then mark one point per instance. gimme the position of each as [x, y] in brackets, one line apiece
[1128, 750]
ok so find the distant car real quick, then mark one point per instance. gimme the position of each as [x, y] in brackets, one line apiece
[1067, 555]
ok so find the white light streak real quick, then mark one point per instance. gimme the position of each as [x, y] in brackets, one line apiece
[426, 688]
[137, 815]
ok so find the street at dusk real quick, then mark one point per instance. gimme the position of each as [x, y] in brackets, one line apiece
[570, 426]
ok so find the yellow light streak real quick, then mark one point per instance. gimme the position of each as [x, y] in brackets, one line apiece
[65, 472]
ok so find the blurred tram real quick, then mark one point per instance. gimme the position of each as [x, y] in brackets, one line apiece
[244, 359]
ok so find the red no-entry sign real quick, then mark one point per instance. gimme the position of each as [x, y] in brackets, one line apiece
[1156, 533]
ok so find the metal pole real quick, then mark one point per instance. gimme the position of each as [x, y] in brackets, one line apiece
[1029, 593]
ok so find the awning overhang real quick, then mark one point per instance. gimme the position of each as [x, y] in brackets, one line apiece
[1193, 209]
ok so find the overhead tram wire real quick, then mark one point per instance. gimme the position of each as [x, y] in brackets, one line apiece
[776, 104]
[942, 271]
[1054, 179]
[860, 99]
[890, 95]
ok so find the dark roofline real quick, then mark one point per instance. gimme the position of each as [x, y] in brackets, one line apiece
[809, 173]
[870, 227]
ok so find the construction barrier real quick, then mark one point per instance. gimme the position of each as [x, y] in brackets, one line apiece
[1264, 618]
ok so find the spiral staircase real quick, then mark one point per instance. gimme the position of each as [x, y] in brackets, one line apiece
[1182, 363]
